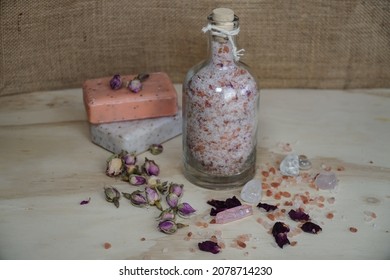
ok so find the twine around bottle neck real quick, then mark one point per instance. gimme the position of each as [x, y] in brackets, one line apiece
[217, 31]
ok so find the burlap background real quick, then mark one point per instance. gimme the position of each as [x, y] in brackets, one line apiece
[306, 44]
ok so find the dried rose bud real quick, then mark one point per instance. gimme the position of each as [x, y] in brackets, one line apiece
[135, 85]
[167, 226]
[112, 195]
[209, 246]
[176, 189]
[167, 214]
[162, 187]
[114, 167]
[129, 159]
[185, 210]
[137, 198]
[137, 180]
[142, 77]
[132, 169]
[156, 149]
[154, 181]
[153, 197]
[116, 82]
[172, 200]
[150, 168]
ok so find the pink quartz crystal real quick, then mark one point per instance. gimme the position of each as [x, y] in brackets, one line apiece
[326, 180]
[233, 214]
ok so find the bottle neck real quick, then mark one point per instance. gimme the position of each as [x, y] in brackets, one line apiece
[222, 40]
[222, 50]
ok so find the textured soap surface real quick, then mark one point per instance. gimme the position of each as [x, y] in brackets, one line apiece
[158, 98]
[136, 136]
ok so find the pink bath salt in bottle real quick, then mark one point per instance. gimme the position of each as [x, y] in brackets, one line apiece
[220, 111]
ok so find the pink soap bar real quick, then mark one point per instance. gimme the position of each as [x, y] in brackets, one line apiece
[158, 98]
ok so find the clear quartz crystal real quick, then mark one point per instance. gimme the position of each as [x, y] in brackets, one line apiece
[290, 165]
[233, 214]
[251, 192]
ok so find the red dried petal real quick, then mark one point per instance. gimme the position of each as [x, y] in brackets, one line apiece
[221, 205]
[209, 246]
[311, 227]
[267, 207]
[279, 231]
[83, 202]
[298, 215]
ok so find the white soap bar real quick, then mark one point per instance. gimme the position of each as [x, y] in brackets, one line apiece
[136, 136]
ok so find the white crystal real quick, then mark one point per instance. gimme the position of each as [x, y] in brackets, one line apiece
[251, 192]
[290, 165]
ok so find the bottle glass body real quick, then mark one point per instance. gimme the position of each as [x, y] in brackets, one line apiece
[220, 117]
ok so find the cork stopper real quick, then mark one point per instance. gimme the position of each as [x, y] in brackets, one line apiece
[223, 18]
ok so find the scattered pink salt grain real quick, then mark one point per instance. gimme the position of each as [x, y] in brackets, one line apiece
[329, 216]
[353, 229]
[188, 237]
[241, 243]
[107, 245]
[369, 216]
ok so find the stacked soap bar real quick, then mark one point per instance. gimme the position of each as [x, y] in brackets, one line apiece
[123, 120]
[136, 136]
[157, 98]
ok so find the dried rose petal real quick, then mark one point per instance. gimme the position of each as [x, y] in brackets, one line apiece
[281, 239]
[83, 202]
[221, 205]
[209, 246]
[267, 207]
[298, 215]
[311, 227]
[279, 231]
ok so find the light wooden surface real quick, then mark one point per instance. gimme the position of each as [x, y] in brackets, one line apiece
[48, 165]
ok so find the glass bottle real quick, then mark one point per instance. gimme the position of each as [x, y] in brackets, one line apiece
[220, 111]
